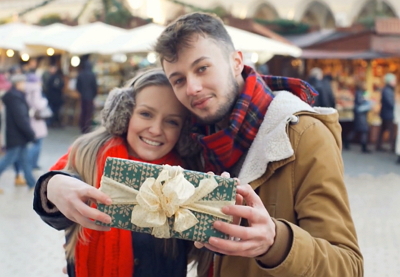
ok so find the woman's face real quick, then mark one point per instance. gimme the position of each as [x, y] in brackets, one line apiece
[156, 123]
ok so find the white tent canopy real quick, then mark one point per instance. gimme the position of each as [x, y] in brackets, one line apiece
[13, 35]
[80, 40]
[34, 42]
[249, 42]
[142, 39]
[100, 38]
[45, 33]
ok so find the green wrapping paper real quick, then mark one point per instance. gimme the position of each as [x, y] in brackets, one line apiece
[128, 175]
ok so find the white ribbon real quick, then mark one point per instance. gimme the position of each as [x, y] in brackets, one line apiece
[168, 195]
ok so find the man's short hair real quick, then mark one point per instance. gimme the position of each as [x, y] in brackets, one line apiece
[389, 78]
[317, 73]
[179, 34]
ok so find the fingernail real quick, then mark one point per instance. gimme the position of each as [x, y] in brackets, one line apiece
[108, 220]
[108, 201]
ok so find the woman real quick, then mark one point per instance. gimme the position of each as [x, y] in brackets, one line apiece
[142, 122]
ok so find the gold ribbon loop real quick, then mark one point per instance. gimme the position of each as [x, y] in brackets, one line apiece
[168, 195]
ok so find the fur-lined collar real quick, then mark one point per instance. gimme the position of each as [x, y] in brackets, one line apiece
[272, 142]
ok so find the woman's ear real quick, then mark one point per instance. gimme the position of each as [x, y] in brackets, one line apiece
[237, 59]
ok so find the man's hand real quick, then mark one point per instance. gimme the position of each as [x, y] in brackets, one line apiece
[71, 196]
[250, 241]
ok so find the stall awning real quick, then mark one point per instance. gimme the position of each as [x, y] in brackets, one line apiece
[348, 55]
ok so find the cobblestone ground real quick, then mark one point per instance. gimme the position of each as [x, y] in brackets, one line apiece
[30, 248]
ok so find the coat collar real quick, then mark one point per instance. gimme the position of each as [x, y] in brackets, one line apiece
[272, 143]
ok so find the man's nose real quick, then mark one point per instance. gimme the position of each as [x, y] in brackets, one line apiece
[193, 85]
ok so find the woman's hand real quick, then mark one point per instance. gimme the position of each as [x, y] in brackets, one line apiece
[71, 196]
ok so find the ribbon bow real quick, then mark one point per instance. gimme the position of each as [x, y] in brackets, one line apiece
[170, 195]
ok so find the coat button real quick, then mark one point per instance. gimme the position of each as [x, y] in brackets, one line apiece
[136, 262]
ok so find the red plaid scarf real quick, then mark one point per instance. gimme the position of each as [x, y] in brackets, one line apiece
[225, 147]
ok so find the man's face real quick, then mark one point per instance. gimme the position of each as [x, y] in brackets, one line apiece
[204, 79]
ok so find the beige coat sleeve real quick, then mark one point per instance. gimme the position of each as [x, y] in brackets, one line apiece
[324, 241]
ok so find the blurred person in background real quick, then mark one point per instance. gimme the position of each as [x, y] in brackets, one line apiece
[55, 88]
[86, 85]
[323, 86]
[36, 102]
[5, 85]
[360, 123]
[387, 112]
[397, 121]
[18, 131]
[45, 81]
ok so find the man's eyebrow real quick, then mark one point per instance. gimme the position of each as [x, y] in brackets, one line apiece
[191, 66]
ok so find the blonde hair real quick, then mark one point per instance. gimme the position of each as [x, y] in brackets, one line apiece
[85, 151]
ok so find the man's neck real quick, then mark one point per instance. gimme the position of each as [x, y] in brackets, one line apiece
[224, 123]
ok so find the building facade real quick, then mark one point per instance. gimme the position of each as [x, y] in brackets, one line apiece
[319, 13]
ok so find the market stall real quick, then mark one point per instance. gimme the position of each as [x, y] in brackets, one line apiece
[356, 55]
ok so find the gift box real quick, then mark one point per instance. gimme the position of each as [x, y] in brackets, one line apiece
[165, 201]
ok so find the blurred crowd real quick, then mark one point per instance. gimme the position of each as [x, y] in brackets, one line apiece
[32, 101]
[389, 130]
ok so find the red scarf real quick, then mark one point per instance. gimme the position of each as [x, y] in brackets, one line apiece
[224, 148]
[109, 254]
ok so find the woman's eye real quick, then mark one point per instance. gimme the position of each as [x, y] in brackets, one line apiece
[202, 69]
[145, 114]
[173, 122]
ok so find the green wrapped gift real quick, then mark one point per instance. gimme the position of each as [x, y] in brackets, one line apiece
[165, 201]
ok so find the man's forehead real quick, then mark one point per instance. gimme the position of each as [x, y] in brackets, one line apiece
[195, 48]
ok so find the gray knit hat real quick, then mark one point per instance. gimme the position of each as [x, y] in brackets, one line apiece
[17, 78]
[120, 102]
[117, 110]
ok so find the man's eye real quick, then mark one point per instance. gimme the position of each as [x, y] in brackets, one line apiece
[178, 81]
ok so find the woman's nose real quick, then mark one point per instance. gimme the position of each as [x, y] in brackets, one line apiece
[156, 127]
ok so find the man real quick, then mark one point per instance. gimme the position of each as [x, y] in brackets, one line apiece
[86, 85]
[387, 112]
[18, 131]
[55, 90]
[297, 219]
[322, 84]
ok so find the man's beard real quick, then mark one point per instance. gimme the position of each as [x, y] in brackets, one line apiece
[226, 108]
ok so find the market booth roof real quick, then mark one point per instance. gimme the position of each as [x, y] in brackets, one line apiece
[353, 43]
[350, 55]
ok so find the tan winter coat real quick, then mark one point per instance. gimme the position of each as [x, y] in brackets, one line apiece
[295, 165]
